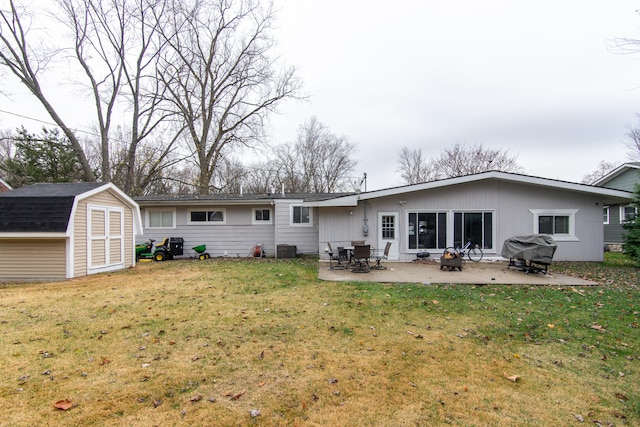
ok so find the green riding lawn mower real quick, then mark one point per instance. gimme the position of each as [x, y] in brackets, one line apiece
[167, 249]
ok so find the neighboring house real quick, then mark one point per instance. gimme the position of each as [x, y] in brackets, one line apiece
[60, 231]
[233, 225]
[4, 187]
[486, 208]
[624, 177]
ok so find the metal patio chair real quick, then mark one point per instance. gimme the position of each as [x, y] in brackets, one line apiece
[383, 256]
[339, 257]
[361, 255]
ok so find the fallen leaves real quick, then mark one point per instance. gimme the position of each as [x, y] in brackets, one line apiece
[63, 405]
[513, 378]
[237, 396]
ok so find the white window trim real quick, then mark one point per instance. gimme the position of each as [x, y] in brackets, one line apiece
[571, 213]
[608, 210]
[146, 218]
[223, 222]
[304, 224]
[623, 217]
[254, 221]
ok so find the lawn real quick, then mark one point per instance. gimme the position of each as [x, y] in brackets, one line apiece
[208, 342]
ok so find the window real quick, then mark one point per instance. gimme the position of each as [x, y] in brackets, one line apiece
[627, 213]
[207, 217]
[427, 230]
[388, 227]
[158, 218]
[558, 223]
[301, 215]
[261, 216]
[605, 217]
[474, 226]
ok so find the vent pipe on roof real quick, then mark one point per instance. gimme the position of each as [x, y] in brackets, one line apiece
[241, 189]
[283, 188]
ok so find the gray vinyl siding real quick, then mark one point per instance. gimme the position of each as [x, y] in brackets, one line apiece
[625, 181]
[236, 238]
[614, 232]
[304, 237]
[509, 202]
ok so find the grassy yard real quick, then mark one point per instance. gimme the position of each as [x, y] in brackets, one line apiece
[206, 343]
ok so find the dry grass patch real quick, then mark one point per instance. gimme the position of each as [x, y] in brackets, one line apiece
[205, 343]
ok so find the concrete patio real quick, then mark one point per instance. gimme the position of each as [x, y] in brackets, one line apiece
[482, 273]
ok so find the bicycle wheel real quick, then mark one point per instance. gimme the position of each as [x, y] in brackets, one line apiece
[475, 254]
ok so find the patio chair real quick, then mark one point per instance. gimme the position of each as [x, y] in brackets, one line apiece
[361, 255]
[380, 257]
[339, 257]
[357, 242]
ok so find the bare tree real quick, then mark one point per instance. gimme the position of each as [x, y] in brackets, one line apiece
[414, 167]
[461, 159]
[455, 160]
[319, 161]
[27, 64]
[603, 168]
[116, 44]
[219, 76]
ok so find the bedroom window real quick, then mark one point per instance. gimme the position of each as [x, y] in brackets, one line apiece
[560, 224]
[300, 215]
[158, 218]
[262, 216]
[207, 217]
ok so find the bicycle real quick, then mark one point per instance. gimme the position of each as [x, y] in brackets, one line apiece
[474, 252]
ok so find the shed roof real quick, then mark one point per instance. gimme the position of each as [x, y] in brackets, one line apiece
[44, 207]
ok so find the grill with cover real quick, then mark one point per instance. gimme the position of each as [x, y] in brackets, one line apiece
[532, 253]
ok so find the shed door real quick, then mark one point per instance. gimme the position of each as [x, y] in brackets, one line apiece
[105, 233]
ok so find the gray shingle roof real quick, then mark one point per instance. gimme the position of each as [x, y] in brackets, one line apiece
[44, 207]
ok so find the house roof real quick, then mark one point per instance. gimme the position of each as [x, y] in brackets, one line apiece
[602, 182]
[609, 195]
[195, 199]
[47, 207]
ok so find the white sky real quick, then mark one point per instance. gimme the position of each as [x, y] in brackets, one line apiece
[536, 78]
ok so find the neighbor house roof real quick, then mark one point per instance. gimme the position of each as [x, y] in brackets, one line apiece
[609, 195]
[4, 186]
[47, 207]
[602, 182]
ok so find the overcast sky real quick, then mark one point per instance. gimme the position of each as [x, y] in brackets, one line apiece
[538, 78]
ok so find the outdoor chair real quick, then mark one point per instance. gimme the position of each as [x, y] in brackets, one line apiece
[379, 257]
[357, 242]
[361, 255]
[339, 257]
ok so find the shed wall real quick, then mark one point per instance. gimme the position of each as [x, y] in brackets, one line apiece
[32, 259]
[80, 250]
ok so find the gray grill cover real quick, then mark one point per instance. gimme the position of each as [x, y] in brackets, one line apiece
[535, 247]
